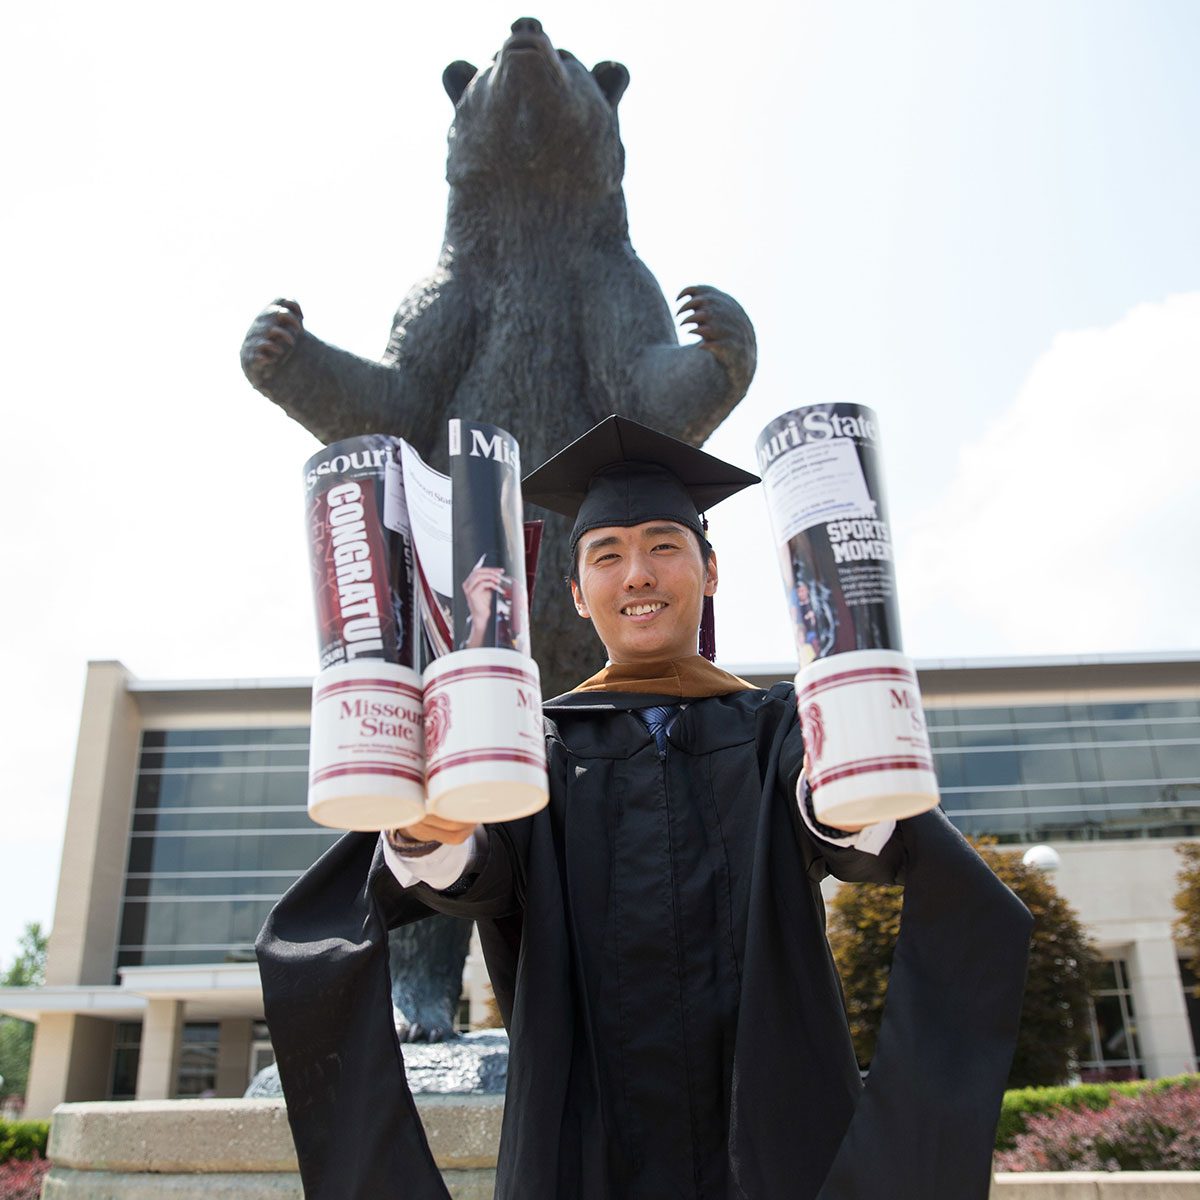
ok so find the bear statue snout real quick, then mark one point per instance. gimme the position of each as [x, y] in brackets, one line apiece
[528, 34]
[528, 42]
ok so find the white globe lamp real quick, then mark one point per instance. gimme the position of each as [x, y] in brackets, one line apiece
[1045, 858]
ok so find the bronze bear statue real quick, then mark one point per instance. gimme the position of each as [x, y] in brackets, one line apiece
[539, 316]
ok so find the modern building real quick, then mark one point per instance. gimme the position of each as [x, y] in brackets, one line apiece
[187, 820]
[1099, 758]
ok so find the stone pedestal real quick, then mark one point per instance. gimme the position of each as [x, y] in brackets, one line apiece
[1097, 1185]
[234, 1149]
[198, 1149]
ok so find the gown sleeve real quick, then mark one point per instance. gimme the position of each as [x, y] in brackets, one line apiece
[441, 867]
[494, 885]
[327, 992]
[926, 1120]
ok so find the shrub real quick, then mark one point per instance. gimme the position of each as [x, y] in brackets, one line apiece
[1154, 1130]
[22, 1180]
[23, 1140]
[1023, 1103]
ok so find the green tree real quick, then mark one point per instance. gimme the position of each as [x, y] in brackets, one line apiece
[864, 922]
[1187, 900]
[16, 1037]
[29, 967]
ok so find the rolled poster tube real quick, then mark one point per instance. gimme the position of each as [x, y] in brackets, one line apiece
[366, 751]
[485, 744]
[491, 607]
[857, 693]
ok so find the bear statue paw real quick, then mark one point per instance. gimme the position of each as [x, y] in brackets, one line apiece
[271, 339]
[417, 1032]
[724, 330]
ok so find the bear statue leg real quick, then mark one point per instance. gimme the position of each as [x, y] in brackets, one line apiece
[427, 965]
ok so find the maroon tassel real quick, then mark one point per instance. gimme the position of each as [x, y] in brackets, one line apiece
[708, 625]
[708, 631]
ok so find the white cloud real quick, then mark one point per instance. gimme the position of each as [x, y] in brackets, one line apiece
[1073, 525]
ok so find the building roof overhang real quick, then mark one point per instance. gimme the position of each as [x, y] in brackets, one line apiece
[952, 678]
[208, 993]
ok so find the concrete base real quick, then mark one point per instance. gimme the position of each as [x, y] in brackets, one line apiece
[65, 1184]
[206, 1149]
[200, 1149]
[1097, 1185]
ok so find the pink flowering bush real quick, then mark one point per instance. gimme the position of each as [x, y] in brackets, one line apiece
[21, 1179]
[1149, 1131]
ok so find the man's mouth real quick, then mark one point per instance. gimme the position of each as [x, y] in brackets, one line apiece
[642, 610]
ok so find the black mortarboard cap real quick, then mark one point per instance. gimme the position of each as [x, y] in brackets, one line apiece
[624, 473]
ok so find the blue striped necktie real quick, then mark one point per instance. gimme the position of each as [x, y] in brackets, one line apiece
[658, 718]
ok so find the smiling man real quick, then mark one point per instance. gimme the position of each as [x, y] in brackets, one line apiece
[645, 587]
[655, 936]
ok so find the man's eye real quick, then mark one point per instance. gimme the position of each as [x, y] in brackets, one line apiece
[667, 546]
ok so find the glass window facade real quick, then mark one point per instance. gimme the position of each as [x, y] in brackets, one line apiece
[198, 1060]
[1036, 773]
[220, 830]
[1115, 1053]
[127, 1047]
[262, 1053]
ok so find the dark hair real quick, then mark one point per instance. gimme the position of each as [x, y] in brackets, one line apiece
[706, 551]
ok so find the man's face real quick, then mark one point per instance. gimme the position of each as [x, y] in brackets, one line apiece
[643, 588]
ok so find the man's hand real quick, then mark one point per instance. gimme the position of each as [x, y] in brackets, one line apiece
[439, 829]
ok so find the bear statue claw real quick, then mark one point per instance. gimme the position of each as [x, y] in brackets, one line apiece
[419, 1033]
[271, 338]
[724, 330]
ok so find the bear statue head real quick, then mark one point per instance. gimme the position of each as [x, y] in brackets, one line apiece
[537, 117]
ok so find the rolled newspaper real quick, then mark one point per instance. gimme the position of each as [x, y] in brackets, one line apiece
[366, 750]
[857, 692]
[486, 752]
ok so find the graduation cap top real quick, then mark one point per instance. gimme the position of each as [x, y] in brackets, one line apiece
[623, 473]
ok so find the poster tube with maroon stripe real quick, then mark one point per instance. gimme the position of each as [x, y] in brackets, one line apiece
[484, 739]
[366, 744]
[857, 693]
[366, 756]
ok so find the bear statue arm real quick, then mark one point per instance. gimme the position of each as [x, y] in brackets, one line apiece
[689, 390]
[683, 389]
[335, 394]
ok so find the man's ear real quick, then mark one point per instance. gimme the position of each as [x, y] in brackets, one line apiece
[710, 575]
[577, 595]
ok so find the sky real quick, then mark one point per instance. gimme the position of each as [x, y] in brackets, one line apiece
[978, 219]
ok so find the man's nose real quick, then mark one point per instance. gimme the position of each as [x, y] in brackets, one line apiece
[640, 572]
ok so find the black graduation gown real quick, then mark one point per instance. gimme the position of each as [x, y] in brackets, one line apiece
[656, 941]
